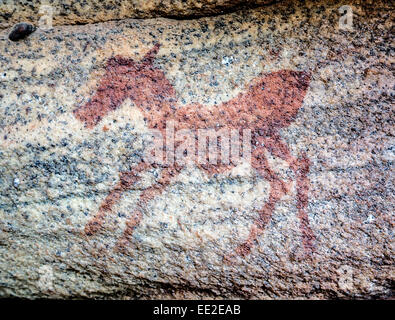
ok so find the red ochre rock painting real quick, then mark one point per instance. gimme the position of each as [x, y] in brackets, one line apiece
[269, 103]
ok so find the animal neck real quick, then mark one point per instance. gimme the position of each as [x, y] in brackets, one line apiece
[157, 113]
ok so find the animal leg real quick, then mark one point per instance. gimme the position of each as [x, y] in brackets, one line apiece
[126, 180]
[303, 184]
[168, 174]
[300, 166]
[277, 190]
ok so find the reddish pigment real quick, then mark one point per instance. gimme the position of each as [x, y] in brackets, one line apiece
[269, 103]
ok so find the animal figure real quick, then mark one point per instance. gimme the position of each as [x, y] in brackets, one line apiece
[268, 104]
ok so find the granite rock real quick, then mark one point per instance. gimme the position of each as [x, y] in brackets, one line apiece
[65, 12]
[310, 217]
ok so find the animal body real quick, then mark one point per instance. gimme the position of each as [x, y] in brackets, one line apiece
[268, 104]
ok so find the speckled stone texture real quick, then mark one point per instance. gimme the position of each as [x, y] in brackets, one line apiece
[92, 11]
[329, 233]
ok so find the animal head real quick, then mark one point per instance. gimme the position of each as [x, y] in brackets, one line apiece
[276, 98]
[140, 81]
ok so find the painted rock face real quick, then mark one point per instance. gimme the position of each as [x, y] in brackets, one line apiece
[247, 155]
[269, 104]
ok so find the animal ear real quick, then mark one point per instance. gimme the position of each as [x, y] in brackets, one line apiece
[150, 55]
[119, 61]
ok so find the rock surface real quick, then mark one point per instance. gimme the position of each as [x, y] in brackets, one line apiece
[65, 12]
[74, 106]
